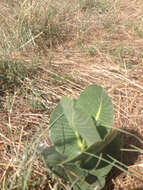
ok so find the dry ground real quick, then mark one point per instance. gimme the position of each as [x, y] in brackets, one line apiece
[103, 47]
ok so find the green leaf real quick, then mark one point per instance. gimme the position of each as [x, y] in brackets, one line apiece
[81, 178]
[80, 122]
[97, 148]
[78, 177]
[74, 172]
[96, 161]
[52, 157]
[91, 182]
[85, 127]
[82, 135]
[103, 171]
[70, 172]
[69, 132]
[111, 149]
[68, 108]
[62, 135]
[97, 104]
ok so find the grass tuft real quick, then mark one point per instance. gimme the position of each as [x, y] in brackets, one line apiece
[14, 72]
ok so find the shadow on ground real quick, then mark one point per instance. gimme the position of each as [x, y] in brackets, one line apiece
[126, 157]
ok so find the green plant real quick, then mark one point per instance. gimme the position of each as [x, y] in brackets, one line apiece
[79, 129]
[100, 6]
[69, 156]
[13, 73]
[91, 50]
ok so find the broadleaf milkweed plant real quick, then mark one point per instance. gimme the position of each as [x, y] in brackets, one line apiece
[80, 128]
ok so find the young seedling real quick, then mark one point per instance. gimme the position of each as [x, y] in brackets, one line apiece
[82, 138]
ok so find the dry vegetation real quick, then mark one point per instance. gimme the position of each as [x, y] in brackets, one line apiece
[50, 48]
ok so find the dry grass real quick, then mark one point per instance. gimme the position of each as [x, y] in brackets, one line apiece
[61, 47]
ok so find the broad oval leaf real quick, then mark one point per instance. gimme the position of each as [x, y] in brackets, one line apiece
[52, 157]
[69, 132]
[62, 135]
[81, 133]
[97, 104]
[81, 122]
